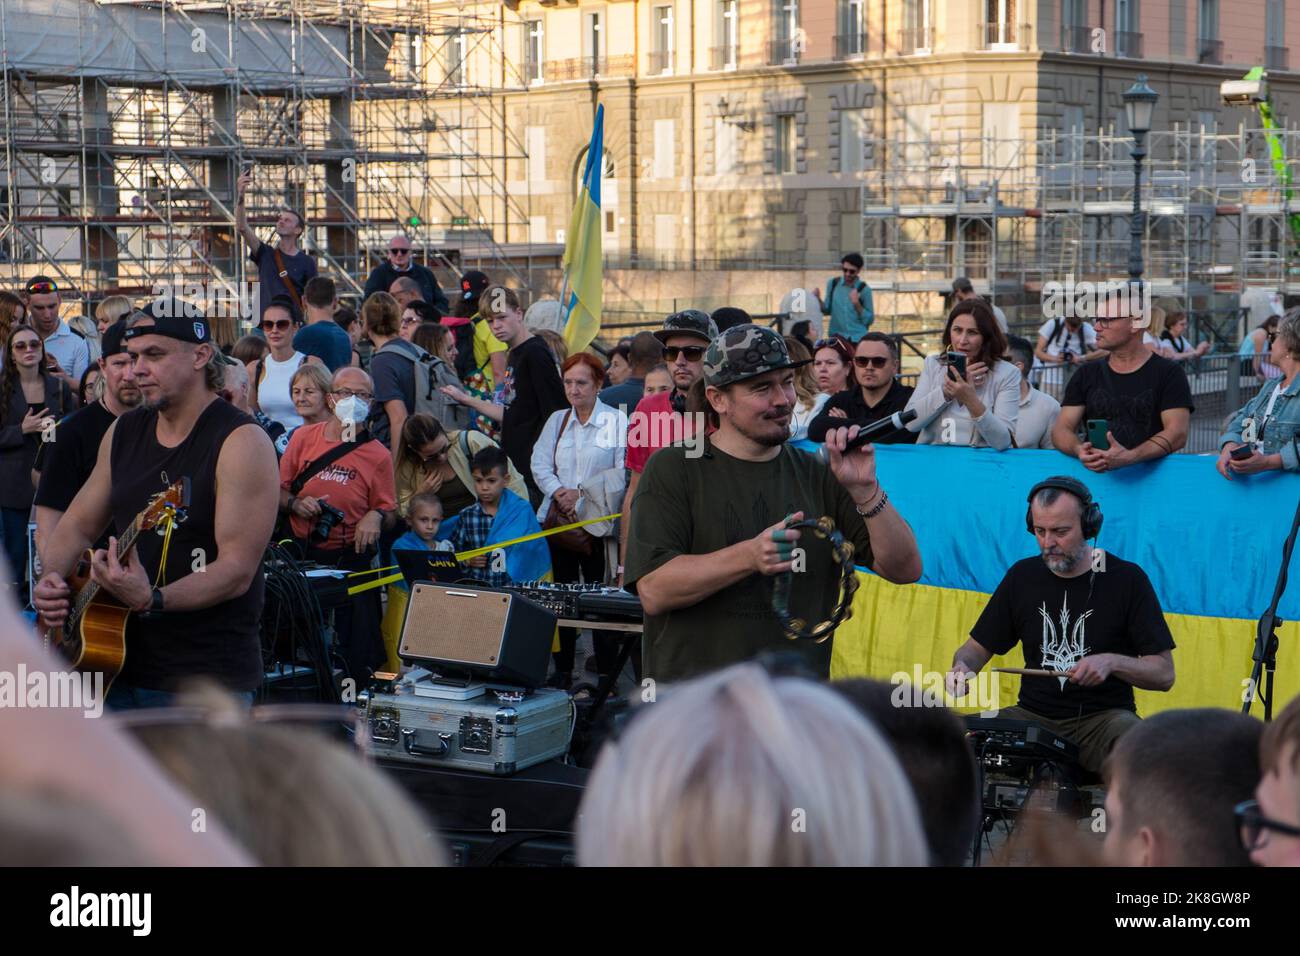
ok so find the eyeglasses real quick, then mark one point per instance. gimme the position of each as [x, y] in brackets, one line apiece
[693, 353]
[351, 393]
[1108, 319]
[26, 346]
[410, 321]
[279, 325]
[1251, 825]
[870, 361]
[438, 455]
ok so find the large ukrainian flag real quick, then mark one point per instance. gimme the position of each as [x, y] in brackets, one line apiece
[582, 249]
[1211, 548]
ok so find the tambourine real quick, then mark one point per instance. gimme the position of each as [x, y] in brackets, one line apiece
[796, 628]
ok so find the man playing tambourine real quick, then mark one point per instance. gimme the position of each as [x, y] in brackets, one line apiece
[708, 533]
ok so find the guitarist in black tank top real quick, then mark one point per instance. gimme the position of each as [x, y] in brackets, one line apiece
[199, 615]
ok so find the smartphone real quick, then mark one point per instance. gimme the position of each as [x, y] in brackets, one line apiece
[1242, 453]
[1097, 428]
[957, 361]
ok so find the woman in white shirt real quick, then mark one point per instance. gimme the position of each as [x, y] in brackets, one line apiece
[272, 381]
[808, 401]
[980, 408]
[576, 445]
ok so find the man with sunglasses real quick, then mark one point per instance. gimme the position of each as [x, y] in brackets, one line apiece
[848, 300]
[67, 352]
[282, 268]
[400, 262]
[1270, 824]
[661, 420]
[878, 394]
[1143, 398]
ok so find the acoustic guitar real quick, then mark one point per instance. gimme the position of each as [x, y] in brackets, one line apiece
[93, 638]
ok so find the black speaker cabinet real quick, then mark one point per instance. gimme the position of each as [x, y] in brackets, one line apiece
[496, 635]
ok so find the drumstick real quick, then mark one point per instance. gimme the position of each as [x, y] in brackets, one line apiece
[1031, 672]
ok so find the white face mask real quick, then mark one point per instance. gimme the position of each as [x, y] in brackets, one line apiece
[351, 410]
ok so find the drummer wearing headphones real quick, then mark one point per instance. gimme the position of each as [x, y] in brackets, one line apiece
[1078, 611]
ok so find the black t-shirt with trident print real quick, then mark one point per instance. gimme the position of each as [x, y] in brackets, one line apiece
[1060, 620]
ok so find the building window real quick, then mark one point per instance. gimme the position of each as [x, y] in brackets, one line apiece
[1128, 35]
[918, 27]
[784, 158]
[787, 44]
[1275, 49]
[593, 43]
[851, 35]
[1208, 46]
[534, 50]
[727, 52]
[1000, 25]
[661, 53]
[456, 59]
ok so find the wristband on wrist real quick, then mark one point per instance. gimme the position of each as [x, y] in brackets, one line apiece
[875, 509]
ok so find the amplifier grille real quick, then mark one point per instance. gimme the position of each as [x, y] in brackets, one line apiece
[457, 625]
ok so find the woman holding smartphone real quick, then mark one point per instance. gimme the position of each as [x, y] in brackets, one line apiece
[1261, 435]
[31, 401]
[968, 395]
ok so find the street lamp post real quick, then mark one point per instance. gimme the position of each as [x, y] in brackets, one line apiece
[1139, 104]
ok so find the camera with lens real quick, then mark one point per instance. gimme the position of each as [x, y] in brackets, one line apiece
[325, 522]
[1067, 356]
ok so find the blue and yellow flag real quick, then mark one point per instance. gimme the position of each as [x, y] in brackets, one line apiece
[582, 249]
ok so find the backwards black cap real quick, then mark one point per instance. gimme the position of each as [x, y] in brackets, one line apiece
[113, 341]
[174, 324]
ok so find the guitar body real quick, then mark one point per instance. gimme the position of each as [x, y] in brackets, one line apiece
[93, 638]
[102, 640]
[96, 641]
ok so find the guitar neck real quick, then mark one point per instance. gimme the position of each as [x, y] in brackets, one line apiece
[88, 593]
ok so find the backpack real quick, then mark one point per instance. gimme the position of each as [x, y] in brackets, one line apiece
[1056, 330]
[430, 373]
[830, 289]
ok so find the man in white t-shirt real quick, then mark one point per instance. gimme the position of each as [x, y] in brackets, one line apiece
[1062, 342]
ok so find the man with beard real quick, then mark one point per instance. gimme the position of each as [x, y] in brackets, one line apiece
[709, 531]
[65, 461]
[1080, 611]
[195, 593]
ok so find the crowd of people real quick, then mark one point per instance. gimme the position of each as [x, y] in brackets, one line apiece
[423, 423]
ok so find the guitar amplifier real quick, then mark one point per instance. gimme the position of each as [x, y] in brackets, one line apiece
[495, 733]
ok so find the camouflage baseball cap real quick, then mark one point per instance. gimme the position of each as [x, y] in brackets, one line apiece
[744, 351]
[688, 322]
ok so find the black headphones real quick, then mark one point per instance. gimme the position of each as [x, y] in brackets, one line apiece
[1092, 517]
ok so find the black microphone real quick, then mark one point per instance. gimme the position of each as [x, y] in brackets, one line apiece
[884, 426]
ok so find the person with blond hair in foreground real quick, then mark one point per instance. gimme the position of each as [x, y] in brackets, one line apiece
[739, 768]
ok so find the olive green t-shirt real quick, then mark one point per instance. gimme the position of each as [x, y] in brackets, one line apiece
[701, 505]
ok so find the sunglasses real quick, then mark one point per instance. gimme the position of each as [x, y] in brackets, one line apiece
[400, 252]
[1251, 825]
[42, 287]
[278, 324]
[26, 346]
[693, 353]
[870, 361]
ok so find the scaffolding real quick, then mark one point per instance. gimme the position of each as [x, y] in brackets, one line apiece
[1215, 224]
[127, 122]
